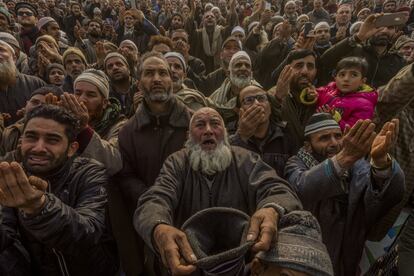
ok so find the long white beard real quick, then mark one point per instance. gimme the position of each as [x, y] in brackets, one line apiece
[209, 162]
[240, 82]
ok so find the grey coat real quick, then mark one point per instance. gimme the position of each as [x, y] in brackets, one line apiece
[345, 218]
[179, 192]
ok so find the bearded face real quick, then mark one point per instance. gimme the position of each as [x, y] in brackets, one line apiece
[212, 161]
[8, 72]
[241, 73]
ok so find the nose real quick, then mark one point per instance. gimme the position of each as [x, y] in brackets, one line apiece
[209, 130]
[40, 146]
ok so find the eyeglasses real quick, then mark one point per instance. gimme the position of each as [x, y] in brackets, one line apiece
[25, 13]
[249, 100]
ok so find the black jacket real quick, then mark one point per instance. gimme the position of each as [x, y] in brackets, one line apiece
[70, 233]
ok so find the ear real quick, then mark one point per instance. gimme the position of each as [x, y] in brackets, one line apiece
[105, 103]
[308, 147]
[256, 268]
[73, 148]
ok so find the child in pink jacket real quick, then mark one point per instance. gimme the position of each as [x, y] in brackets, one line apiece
[348, 97]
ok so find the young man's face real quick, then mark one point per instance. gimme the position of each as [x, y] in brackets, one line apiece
[45, 146]
[304, 72]
[94, 101]
[324, 144]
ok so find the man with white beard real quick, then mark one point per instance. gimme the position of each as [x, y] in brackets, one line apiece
[225, 97]
[209, 172]
[15, 88]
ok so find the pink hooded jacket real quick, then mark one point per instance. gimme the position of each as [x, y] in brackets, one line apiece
[352, 106]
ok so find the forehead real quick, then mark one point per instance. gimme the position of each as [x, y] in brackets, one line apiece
[24, 10]
[307, 59]
[344, 8]
[173, 60]
[232, 44]
[152, 63]
[250, 91]
[179, 34]
[206, 115]
[322, 29]
[113, 60]
[39, 97]
[241, 60]
[73, 57]
[45, 127]
[86, 86]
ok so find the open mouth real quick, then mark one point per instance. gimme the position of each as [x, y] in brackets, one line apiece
[209, 144]
[38, 160]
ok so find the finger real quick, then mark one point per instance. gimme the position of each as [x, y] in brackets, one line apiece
[39, 183]
[370, 128]
[185, 249]
[267, 233]
[21, 179]
[384, 128]
[396, 123]
[173, 260]
[3, 184]
[352, 132]
[254, 228]
[11, 182]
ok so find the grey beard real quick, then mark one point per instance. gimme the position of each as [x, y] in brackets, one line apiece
[240, 82]
[8, 72]
[209, 162]
[159, 97]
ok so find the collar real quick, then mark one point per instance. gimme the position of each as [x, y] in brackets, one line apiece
[178, 115]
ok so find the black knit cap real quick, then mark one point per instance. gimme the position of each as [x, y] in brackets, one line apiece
[218, 238]
[27, 6]
[320, 121]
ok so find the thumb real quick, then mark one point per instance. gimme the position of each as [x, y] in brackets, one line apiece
[39, 183]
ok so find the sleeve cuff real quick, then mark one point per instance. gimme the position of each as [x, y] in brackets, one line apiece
[279, 209]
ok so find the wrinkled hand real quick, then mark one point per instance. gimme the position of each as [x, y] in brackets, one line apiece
[50, 53]
[356, 143]
[283, 82]
[384, 142]
[70, 102]
[174, 249]
[249, 119]
[368, 28]
[263, 229]
[18, 191]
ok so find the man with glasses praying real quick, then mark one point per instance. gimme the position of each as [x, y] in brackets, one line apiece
[27, 18]
[260, 129]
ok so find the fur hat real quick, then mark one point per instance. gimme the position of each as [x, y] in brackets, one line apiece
[299, 246]
[218, 238]
[26, 5]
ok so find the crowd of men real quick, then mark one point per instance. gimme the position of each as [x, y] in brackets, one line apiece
[206, 137]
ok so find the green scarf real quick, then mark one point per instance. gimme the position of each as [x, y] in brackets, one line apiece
[109, 118]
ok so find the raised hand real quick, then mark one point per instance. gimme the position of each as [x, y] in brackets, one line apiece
[70, 102]
[249, 119]
[356, 143]
[368, 28]
[283, 82]
[18, 191]
[383, 143]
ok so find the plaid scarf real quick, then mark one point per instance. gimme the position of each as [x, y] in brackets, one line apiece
[109, 117]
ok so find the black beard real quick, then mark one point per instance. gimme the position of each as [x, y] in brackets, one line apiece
[94, 35]
[380, 41]
[318, 156]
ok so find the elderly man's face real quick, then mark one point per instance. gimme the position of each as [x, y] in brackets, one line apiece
[241, 72]
[207, 129]
[156, 82]
[5, 54]
[209, 20]
[322, 35]
[177, 72]
[290, 9]
[406, 50]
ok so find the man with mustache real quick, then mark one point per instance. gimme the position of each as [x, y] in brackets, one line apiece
[298, 74]
[208, 173]
[193, 99]
[158, 129]
[54, 204]
[225, 97]
[371, 43]
[15, 88]
[344, 191]
[88, 46]
[121, 82]
[74, 63]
